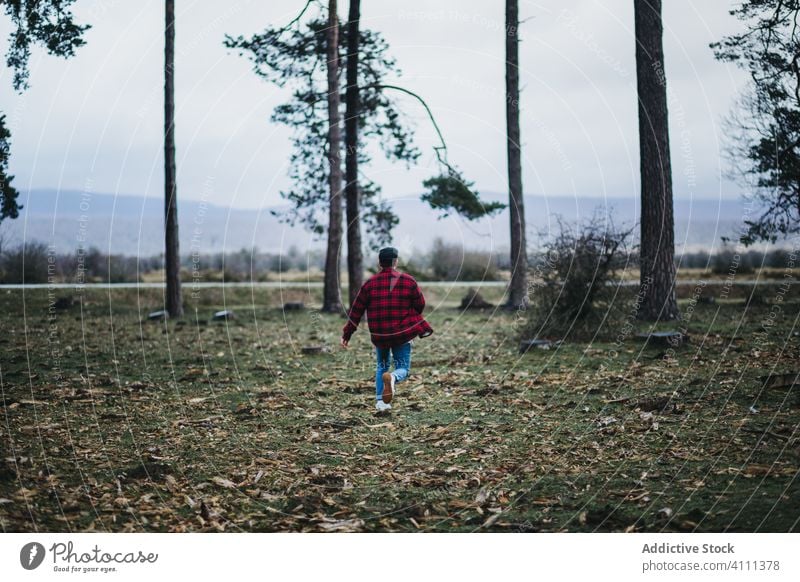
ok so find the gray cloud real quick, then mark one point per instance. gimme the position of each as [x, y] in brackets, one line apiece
[98, 117]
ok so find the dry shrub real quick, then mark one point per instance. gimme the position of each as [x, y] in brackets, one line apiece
[574, 289]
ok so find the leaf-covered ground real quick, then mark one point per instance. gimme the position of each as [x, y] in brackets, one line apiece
[112, 423]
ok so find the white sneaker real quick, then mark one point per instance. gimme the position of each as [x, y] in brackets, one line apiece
[388, 387]
[381, 406]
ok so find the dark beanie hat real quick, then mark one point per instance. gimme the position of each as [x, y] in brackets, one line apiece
[387, 255]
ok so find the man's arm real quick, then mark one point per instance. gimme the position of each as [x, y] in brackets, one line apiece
[356, 313]
[417, 298]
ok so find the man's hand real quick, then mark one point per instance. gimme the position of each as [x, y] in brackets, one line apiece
[344, 343]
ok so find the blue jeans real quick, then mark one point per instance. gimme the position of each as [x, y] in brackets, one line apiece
[402, 364]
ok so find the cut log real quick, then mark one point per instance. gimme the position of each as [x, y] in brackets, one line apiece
[540, 344]
[656, 404]
[158, 315]
[152, 471]
[224, 315]
[294, 306]
[311, 350]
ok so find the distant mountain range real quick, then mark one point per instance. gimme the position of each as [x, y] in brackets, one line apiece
[133, 225]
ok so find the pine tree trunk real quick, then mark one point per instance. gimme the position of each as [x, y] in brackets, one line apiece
[657, 279]
[331, 301]
[355, 259]
[517, 290]
[174, 302]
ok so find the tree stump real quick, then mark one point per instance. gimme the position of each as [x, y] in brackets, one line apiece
[664, 339]
[64, 302]
[789, 380]
[474, 300]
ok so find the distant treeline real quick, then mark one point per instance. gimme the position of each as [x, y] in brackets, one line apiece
[740, 261]
[37, 263]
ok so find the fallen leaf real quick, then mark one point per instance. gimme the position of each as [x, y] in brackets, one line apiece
[491, 519]
[227, 483]
[344, 525]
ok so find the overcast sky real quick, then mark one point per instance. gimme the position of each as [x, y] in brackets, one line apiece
[96, 121]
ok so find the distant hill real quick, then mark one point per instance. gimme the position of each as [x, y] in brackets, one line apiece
[132, 225]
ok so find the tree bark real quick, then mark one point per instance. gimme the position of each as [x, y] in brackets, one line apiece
[517, 290]
[174, 302]
[657, 300]
[331, 301]
[355, 259]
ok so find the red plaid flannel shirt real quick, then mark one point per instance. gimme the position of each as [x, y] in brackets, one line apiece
[394, 303]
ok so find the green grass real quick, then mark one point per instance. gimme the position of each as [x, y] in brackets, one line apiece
[111, 423]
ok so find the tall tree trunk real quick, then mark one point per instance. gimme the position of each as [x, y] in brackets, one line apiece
[518, 288]
[331, 301]
[355, 259]
[174, 302]
[657, 279]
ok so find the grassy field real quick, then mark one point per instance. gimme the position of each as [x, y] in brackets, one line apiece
[114, 423]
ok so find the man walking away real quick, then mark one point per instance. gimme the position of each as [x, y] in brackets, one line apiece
[394, 303]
